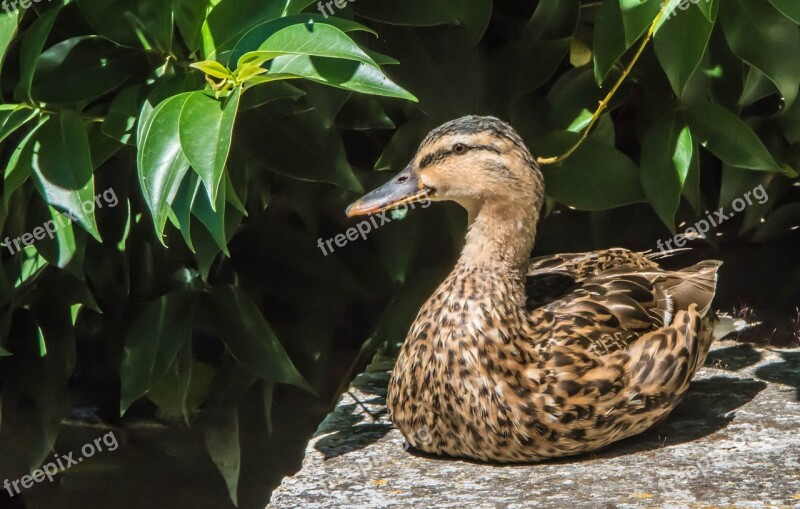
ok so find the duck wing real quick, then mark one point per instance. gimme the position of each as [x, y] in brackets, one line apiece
[611, 304]
[552, 277]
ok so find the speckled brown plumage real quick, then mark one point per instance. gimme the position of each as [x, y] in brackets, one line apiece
[516, 360]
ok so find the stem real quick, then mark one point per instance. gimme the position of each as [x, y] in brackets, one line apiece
[604, 103]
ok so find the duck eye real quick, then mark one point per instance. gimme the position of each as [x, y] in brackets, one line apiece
[402, 179]
[459, 148]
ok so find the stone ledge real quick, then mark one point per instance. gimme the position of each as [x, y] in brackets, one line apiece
[733, 441]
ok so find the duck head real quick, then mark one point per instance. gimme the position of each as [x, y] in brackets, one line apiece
[478, 162]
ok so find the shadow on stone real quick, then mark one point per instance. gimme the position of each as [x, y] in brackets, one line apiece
[357, 425]
[734, 358]
[786, 372]
[708, 407]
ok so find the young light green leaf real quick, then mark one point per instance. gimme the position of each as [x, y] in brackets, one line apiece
[248, 72]
[212, 68]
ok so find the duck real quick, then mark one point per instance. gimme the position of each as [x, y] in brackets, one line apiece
[514, 359]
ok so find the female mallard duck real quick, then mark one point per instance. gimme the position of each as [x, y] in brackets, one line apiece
[513, 359]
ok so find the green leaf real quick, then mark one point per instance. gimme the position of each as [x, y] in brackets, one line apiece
[249, 338]
[666, 157]
[221, 434]
[691, 187]
[81, 69]
[680, 45]
[596, 177]
[762, 36]
[8, 27]
[783, 221]
[133, 23]
[161, 161]
[229, 20]
[729, 138]
[253, 97]
[182, 206]
[171, 392]
[205, 132]
[153, 342]
[263, 31]
[299, 148]
[545, 42]
[757, 86]
[212, 215]
[574, 98]
[30, 49]
[4, 352]
[189, 17]
[313, 40]
[120, 121]
[345, 74]
[402, 145]
[789, 8]
[61, 250]
[472, 14]
[553, 20]
[609, 39]
[12, 117]
[637, 16]
[62, 164]
[19, 166]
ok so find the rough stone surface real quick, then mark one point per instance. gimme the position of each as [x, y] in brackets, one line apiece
[734, 441]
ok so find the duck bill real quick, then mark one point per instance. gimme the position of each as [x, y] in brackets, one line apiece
[404, 188]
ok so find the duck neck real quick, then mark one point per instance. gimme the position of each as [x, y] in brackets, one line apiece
[501, 236]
